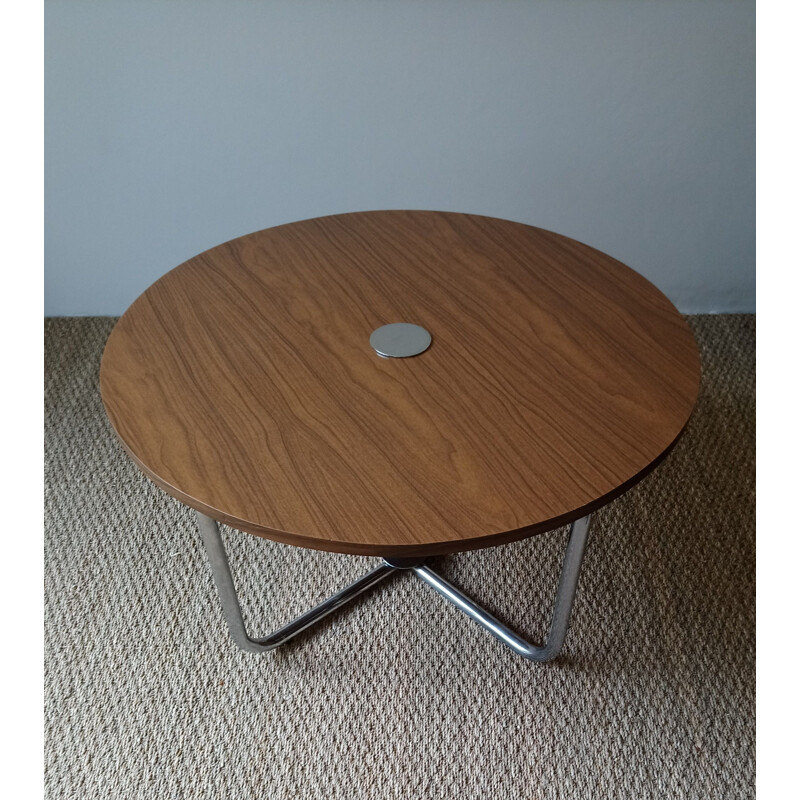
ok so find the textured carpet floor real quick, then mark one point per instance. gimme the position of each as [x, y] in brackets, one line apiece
[399, 695]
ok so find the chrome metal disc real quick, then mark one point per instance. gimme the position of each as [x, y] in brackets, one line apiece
[400, 340]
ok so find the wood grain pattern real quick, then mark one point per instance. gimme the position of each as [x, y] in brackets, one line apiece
[243, 383]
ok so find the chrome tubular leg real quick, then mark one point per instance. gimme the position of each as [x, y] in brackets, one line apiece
[570, 571]
[562, 607]
[220, 568]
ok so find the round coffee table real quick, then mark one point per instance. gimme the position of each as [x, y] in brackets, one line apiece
[399, 384]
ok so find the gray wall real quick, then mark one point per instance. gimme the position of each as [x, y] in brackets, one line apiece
[173, 125]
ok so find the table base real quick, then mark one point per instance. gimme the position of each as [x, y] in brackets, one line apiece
[568, 582]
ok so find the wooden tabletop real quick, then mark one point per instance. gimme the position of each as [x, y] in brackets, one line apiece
[243, 382]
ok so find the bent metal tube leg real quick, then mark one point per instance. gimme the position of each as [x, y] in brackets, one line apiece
[562, 607]
[209, 530]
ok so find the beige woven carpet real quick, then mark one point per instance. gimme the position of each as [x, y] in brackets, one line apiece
[399, 695]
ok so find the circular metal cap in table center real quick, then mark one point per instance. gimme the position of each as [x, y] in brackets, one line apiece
[400, 340]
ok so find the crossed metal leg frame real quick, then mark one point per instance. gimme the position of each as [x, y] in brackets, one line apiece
[568, 582]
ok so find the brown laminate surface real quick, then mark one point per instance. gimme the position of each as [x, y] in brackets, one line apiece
[243, 382]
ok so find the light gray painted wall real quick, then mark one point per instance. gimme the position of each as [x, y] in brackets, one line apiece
[174, 125]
